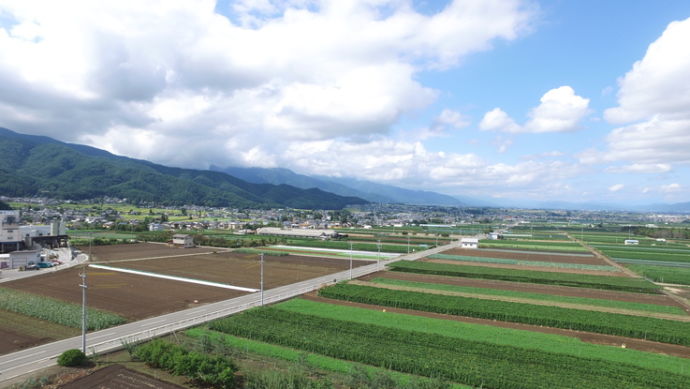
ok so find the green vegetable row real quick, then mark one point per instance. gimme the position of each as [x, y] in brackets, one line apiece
[469, 362]
[667, 331]
[520, 262]
[55, 311]
[553, 278]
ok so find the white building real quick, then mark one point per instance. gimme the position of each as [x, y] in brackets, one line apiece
[24, 258]
[298, 232]
[630, 242]
[9, 226]
[183, 240]
[469, 243]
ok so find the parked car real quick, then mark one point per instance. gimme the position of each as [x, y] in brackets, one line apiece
[32, 266]
[44, 265]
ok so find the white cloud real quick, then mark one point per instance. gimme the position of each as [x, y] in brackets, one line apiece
[616, 187]
[654, 105]
[207, 89]
[560, 110]
[641, 168]
[447, 121]
[498, 120]
[671, 188]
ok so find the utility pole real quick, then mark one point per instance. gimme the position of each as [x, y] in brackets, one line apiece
[408, 244]
[378, 256]
[350, 260]
[262, 279]
[83, 309]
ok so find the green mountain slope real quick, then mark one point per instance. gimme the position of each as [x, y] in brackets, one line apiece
[33, 165]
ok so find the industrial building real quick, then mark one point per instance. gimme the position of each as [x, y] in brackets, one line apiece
[16, 237]
[298, 232]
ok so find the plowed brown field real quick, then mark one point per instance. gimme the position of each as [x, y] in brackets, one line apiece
[132, 296]
[141, 250]
[543, 257]
[118, 377]
[243, 269]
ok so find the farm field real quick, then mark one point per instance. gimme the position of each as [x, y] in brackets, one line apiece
[131, 296]
[661, 330]
[664, 274]
[526, 263]
[119, 377]
[449, 349]
[534, 277]
[528, 256]
[587, 303]
[20, 331]
[566, 247]
[242, 269]
[140, 250]
[326, 253]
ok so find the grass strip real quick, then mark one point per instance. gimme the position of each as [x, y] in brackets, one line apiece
[537, 296]
[55, 311]
[292, 355]
[469, 362]
[551, 343]
[666, 331]
[550, 278]
[506, 261]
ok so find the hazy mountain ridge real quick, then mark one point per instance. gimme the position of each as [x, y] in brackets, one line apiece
[36, 165]
[367, 190]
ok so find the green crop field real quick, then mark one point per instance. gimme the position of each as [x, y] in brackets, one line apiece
[490, 334]
[666, 331]
[55, 311]
[293, 355]
[421, 353]
[532, 245]
[536, 296]
[342, 245]
[647, 255]
[553, 278]
[505, 261]
[667, 274]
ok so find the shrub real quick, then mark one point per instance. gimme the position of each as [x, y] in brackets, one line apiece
[72, 357]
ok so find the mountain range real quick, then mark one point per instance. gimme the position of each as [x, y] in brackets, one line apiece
[41, 166]
[344, 186]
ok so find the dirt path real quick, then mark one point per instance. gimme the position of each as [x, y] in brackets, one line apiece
[610, 340]
[558, 290]
[523, 267]
[585, 307]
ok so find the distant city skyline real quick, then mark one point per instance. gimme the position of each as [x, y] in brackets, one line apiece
[573, 101]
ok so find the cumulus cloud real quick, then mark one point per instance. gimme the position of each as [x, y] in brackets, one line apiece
[616, 187]
[560, 110]
[654, 105]
[176, 82]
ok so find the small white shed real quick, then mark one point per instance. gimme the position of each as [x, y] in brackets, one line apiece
[631, 242]
[469, 243]
[183, 240]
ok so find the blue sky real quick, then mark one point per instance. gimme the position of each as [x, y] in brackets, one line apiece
[511, 100]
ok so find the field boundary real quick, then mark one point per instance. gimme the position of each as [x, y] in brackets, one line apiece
[173, 278]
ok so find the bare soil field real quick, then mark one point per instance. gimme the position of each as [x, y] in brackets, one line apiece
[118, 377]
[141, 250]
[542, 257]
[19, 332]
[13, 341]
[132, 296]
[244, 269]
[615, 273]
[611, 340]
[646, 298]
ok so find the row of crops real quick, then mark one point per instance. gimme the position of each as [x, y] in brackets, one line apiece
[552, 278]
[342, 245]
[635, 306]
[55, 311]
[667, 274]
[465, 361]
[660, 330]
[504, 261]
[533, 245]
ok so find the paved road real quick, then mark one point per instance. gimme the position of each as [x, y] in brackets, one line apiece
[36, 358]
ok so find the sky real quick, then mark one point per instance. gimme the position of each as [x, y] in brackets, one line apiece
[503, 100]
